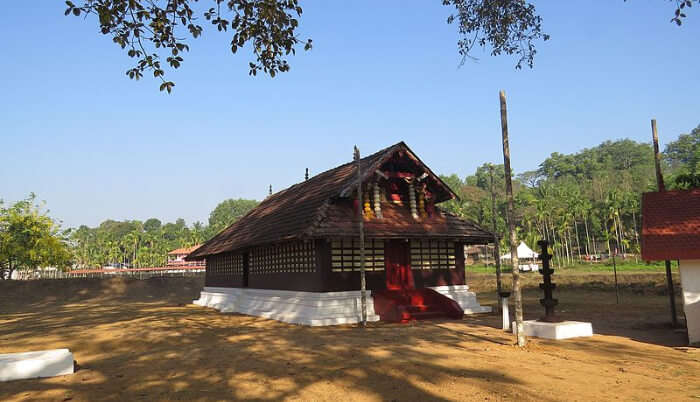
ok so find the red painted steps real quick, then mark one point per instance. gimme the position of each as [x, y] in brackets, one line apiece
[414, 304]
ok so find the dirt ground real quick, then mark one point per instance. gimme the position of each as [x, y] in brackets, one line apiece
[141, 340]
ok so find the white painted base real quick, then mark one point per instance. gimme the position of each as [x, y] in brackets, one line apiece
[556, 330]
[466, 299]
[45, 363]
[690, 282]
[313, 308]
[305, 308]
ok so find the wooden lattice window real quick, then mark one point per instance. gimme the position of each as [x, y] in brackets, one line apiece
[283, 258]
[433, 254]
[225, 265]
[345, 255]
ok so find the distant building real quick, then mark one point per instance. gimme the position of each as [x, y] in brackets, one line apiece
[671, 231]
[177, 257]
[479, 254]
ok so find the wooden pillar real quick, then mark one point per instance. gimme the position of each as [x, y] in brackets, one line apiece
[412, 200]
[377, 201]
[662, 188]
[517, 295]
[360, 219]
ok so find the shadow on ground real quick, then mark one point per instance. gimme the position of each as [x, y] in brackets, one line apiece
[140, 341]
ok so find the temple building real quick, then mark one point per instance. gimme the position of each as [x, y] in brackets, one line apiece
[296, 256]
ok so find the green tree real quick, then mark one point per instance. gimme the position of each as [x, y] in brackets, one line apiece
[30, 239]
[152, 225]
[683, 156]
[227, 212]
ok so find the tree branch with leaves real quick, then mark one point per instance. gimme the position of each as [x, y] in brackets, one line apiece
[151, 30]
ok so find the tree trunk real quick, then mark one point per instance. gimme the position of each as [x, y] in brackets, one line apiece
[617, 232]
[567, 247]
[595, 250]
[578, 244]
[588, 239]
[622, 235]
[517, 295]
[636, 234]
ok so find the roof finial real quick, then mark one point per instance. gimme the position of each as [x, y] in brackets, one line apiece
[270, 191]
[306, 175]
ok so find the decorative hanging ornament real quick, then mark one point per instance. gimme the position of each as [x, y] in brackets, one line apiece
[421, 203]
[367, 209]
[412, 199]
[377, 201]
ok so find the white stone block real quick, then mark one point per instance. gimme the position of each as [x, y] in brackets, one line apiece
[45, 363]
[466, 299]
[556, 330]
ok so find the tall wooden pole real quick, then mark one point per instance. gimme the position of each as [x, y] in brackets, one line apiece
[662, 187]
[517, 295]
[657, 157]
[360, 219]
[496, 252]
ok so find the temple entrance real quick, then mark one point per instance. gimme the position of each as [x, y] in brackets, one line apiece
[401, 301]
[397, 265]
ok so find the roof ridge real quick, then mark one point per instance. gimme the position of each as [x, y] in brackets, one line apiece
[316, 176]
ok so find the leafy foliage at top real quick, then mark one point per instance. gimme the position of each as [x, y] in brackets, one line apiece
[509, 26]
[149, 30]
[144, 27]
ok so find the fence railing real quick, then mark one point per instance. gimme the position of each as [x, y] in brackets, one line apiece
[138, 273]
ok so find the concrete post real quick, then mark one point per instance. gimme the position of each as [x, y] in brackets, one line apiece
[504, 309]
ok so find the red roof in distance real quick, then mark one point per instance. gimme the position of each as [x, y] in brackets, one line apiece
[184, 250]
[671, 225]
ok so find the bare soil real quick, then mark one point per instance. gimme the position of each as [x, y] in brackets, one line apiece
[142, 340]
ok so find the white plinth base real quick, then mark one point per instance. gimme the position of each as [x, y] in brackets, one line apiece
[305, 308]
[556, 330]
[466, 299]
[45, 363]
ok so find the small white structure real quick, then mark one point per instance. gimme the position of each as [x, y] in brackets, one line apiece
[556, 330]
[524, 253]
[671, 232]
[45, 363]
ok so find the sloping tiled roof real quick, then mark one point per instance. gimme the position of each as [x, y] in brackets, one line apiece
[312, 208]
[340, 220]
[671, 225]
[184, 250]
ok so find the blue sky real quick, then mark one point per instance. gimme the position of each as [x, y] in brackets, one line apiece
[96, 145]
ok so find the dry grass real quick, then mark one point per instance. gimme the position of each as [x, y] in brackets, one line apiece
[138, 341]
